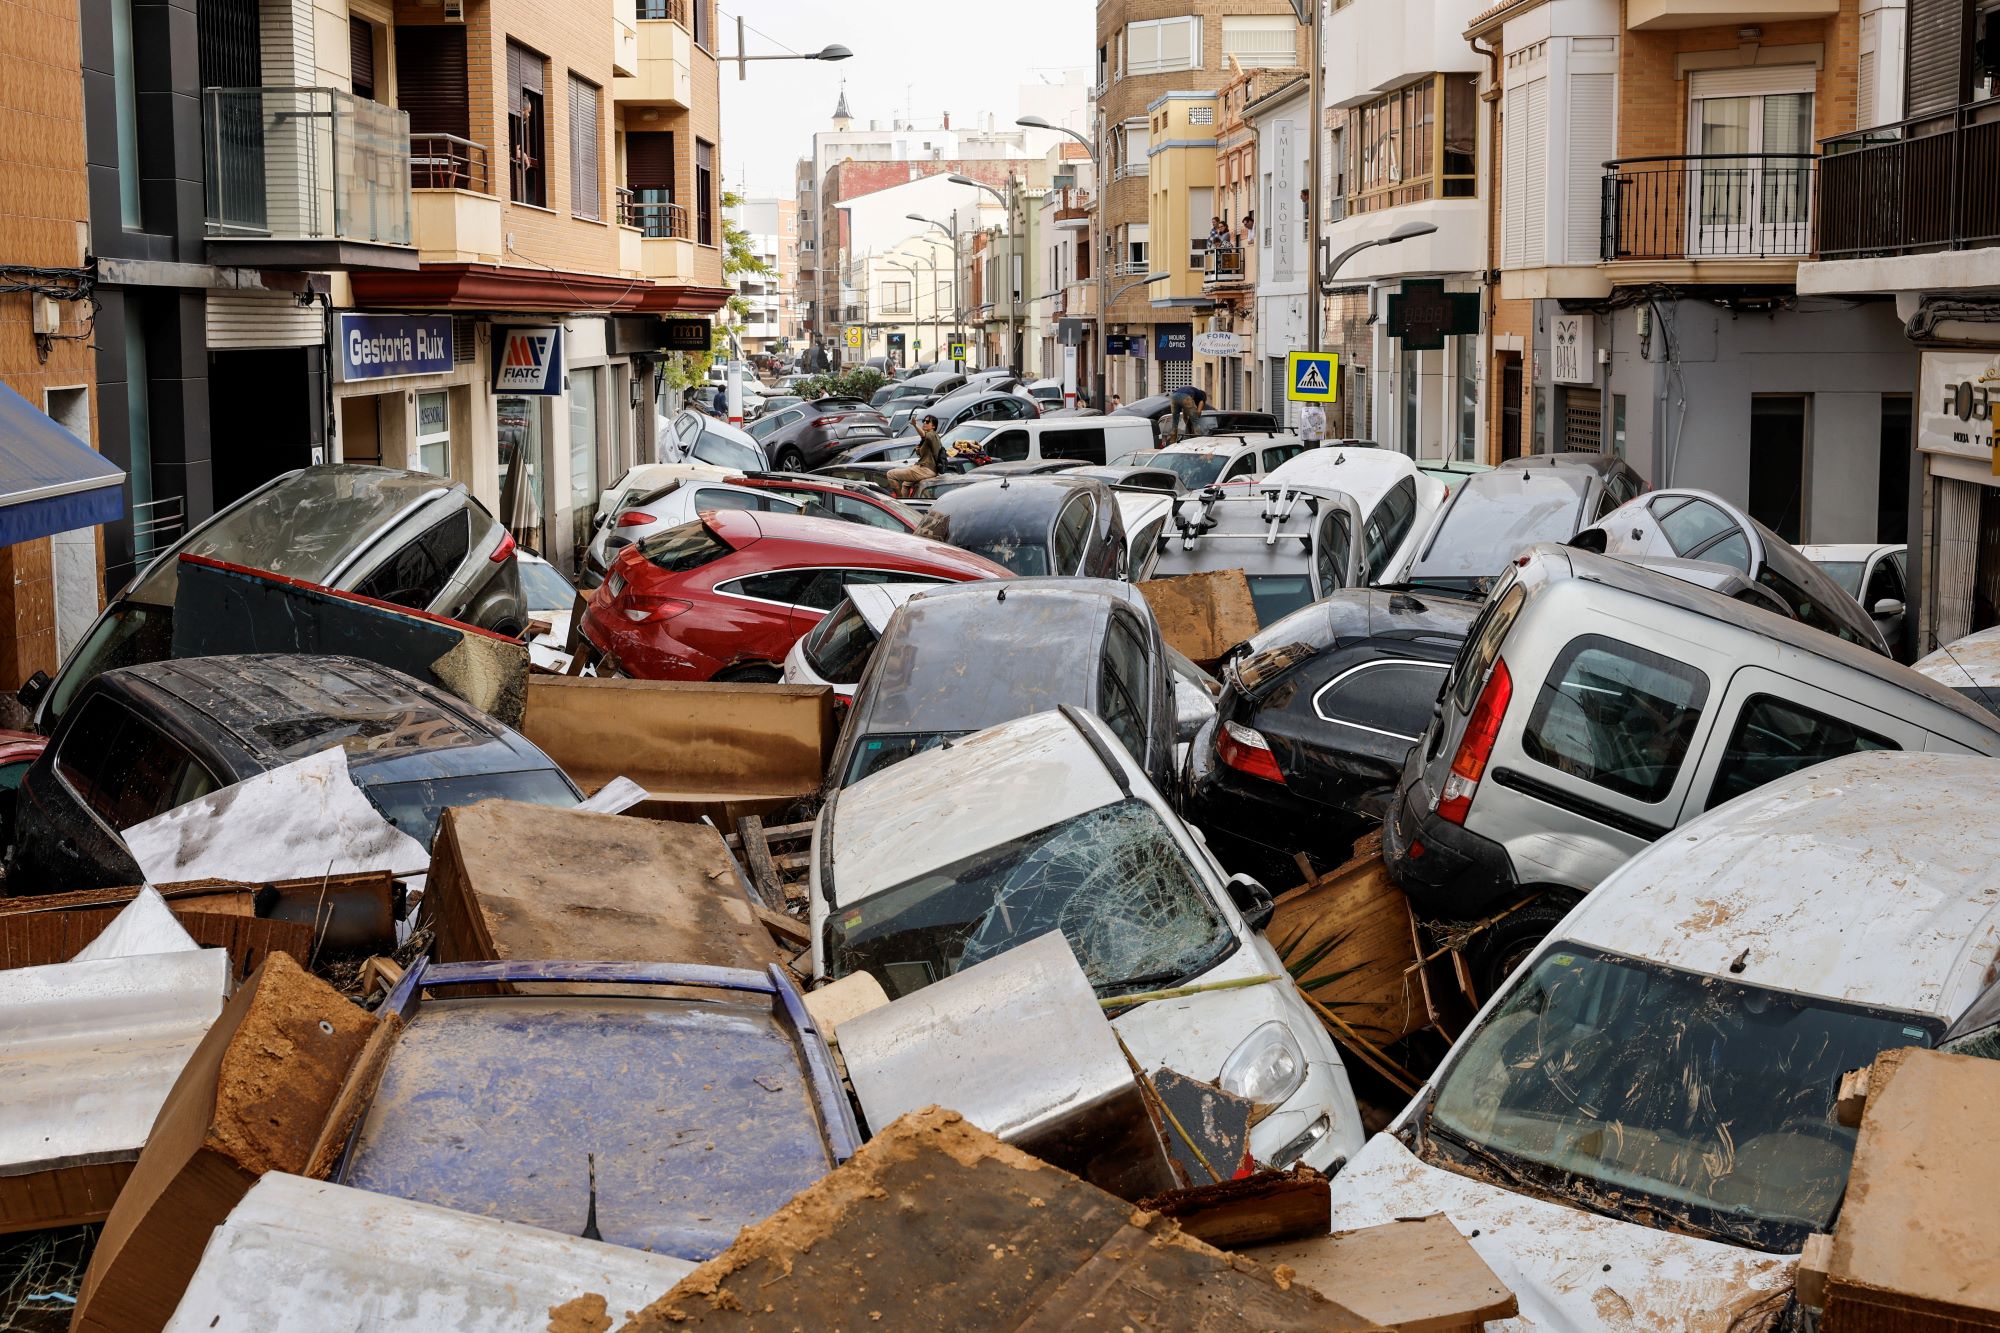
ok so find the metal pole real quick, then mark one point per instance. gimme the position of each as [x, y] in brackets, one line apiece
[742, 66]
[957, 297]
[1315, 96]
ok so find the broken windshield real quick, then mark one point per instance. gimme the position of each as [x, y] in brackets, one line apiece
[1113, 881]
[1665, 1098]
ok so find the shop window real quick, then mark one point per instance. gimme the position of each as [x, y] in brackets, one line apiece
[434, 433]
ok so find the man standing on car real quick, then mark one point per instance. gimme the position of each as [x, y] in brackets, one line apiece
[1312, 425]
[1184, 412]
[929, 460]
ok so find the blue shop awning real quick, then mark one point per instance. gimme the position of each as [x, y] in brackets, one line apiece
[50, 481]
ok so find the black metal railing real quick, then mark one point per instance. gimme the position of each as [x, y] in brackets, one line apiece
[447, 162]
[656, 217]
[1709, 206]
[1910, 187]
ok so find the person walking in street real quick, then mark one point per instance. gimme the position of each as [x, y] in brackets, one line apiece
[928, 462]
[1184, 412]
[1312, 425]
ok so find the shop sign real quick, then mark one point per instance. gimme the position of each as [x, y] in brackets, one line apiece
[1116, 344]
[1955, 414]
[1423, 314]
[380, 347]
[528, 361]
[1173, 342]
[1573, 349]
[1218, 344]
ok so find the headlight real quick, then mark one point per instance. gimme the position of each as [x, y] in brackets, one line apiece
[1268, 1067]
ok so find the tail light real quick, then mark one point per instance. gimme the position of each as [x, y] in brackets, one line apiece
[1468, 766]
[504, 549]
[632, 518]
[1245, 750]
[641, 608]
[822, 423]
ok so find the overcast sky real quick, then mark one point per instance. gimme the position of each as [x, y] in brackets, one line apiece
[911, 60]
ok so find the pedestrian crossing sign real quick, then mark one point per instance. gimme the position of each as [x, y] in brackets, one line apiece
[1312, 377]
[957, 352]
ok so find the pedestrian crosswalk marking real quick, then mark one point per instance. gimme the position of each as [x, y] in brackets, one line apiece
[1310, 379]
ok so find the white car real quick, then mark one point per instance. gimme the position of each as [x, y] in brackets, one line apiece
[694, 437]
[1637, 1131]
[1970, 665]
[1215, 459]
[1145, 515]
[676, 502]
[1293, 544]
[551, 599]
[1874, 575]
[1399, 501]
[837, 650]
[638, 481]
[1052, 825]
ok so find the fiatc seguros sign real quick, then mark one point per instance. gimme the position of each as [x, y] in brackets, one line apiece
[528, 361]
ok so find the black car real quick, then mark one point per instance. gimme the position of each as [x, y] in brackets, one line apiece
[1035, 526]
[807, 435]
[1126, 477]
[142, 740]
[1493, 516]
[1314, 723]
[963, 658]
[1026, 467]
[1213, 421]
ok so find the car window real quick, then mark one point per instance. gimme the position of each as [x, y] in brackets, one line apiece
[1624, 486]
[1617, 716]
[1280, 453]
[1142, 548]
[839, 646]
[718, 497]
[1482, 641]
[1242, 467]
[1775, 736]
[1007, 446]
[852, 510]
[1086, 445]
[784, 586]
[1691, 524]
[416, 574]
[683, 547]
[1121, 685]
[1020, 409]
[1330, 557]
[827, 588]
[1072, 534]
[1390, 524]
[124, 768]
[1885, 582]
[687, 427]
[1389, 698]
[1605, 504]
[722, 451]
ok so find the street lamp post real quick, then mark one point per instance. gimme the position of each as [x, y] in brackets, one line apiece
[827, 53]
[1014, 315]
[1409, 231]
[1104, 299]
[957, 303]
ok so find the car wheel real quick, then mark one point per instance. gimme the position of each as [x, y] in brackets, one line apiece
[1497, 951]
[791, 460]
[754, 673]
[509, 629]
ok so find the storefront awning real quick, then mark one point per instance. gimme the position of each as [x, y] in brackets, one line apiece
[50, 481]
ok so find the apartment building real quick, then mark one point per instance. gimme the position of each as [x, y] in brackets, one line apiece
[1264, 132]
[1008, 274]
[54, 489]
[1159, 65]
[1064, 309]
[1659, 179]
[1905, 219]
[436, 236]
[771, 319]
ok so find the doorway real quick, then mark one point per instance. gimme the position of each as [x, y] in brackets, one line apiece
[1892, 487]
[266, 416]
[1510, 405]
[1778, 463]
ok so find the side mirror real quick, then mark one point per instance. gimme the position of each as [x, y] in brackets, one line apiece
[1253, 900]
[30, 694]
[1887, 607]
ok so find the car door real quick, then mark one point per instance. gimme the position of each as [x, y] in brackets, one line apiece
[1124, 696]
[1243, 468]
[1069, 541]
[1884, 584]
[418, 571]
[1772, 725]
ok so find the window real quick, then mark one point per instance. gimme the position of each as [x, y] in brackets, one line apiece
[1390, 524]
[1087, 445]
[1242, 467]
[1007, 446]
[1121, 685]
[1261, 41]
[1775, 736]
[704, 192]
[1390, 698]
[1279, 454]
[709, 499]
[1399, 158]
[683, 548]
[860, 511]
[1072, 535]
[586, 169]
[124, 768]
[703, 27]
[434, 433]
[1159, 46]
[527, 134]
[827, 588]
[1201, 215]
[361, 57]
[1330, 556]
[1616, 716]
[415, 575]
[896, 298]
[784, 586]
[125, 105]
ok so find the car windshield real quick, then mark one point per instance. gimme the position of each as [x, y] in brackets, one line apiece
[1492, 522]
[416, 806]
[1847, 573]
[1276, 596]
[1664, 1097]
[1113, 881]
[128, 634]
[713, 448]
[1194, 470]
[970, 432]
[879, 752]
[544, 588]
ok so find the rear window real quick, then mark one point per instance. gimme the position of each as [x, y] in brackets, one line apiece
[1692, 524]
[1616, 716]
[1391, 698]
[839, 646]
[1482, 643]
[124, 768]
[1492, 522]
[1194, 470]
[724, 452]
[1276, 596]
[683, 547]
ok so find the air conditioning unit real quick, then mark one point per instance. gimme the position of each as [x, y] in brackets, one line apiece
[454, 11]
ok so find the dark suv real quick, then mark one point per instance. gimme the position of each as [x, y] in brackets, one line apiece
[410, 538]
[143, 740]
[1213, 421]
[802, 437]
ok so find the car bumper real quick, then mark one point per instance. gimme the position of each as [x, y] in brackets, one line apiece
[644, 651]
[1262, 822]
[1448, 872]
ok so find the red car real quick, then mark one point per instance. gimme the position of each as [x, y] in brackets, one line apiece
[726, 597]
[842, 499]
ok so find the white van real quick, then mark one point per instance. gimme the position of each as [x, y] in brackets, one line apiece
[1092, 440]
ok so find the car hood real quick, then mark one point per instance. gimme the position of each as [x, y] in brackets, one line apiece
[1570, 1270]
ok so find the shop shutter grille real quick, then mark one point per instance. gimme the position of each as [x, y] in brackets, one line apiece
[463, 330]
[1582, 432]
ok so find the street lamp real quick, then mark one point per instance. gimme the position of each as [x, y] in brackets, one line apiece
[1104, 299]
[1014, 315]
[957, 301]
[1409, 231]
[828, 53]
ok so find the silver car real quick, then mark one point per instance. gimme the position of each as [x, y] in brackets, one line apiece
[1294, 544]
[681, 501]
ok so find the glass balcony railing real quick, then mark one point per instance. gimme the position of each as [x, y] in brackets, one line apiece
[314, 164]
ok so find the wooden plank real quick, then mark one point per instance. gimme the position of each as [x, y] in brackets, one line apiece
[1257, 1210]
[1361, 922]
[757, 856]
[1416, 1275]
[41, 938]
[787, 931]
[1203, 616]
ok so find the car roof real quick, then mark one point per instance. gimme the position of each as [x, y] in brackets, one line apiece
[1970, 663]
[1603, 465]
[1564, 562]
[1859, 880]
[1003, 783]
[1365, 474]
[282, 707]
[974, 510]
[1855, 551]
[859, 541]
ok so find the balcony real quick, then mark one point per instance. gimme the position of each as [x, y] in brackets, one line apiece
[1131, 268]
[1649, 15]
[1226, 270]
[306, 178]
[1073, 208]
[1739, 218]
[455, 218]
[666, 242]
[1132, 170]
[665, 70]
[1898, 191]
[624, 38]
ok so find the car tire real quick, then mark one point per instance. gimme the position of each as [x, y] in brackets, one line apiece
[751, 673]
[1496, 952]
[509, 629]
[790, 460]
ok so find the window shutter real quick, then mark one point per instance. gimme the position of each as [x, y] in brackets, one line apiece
[1143, 48]
[430, 78]
[1261, 40]
[1514, 178]
[1592, 109]
[649, 160]
[586, 169]
[1938, 44]
[361, 57]
[1535, 179]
